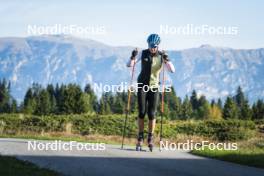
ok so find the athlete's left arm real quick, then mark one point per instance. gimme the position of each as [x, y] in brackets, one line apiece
[168, 63]
[170, 67]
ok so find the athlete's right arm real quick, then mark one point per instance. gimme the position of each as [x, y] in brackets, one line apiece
[134, 58]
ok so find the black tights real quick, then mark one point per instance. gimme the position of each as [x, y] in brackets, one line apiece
[147, 102]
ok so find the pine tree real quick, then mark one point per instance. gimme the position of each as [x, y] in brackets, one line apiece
[52, 98]
[204, 108]
[13, 108]
[84, 104]
[57, 94]
[173, 104]
[239, 97]
[29, 102]
[74, 100]
[186, 109]
[230, 110]
[258, 110]
[43, 103]
[245, 111]
[104, 104]
[93, 98]
[60, 92]
[194, 101]
[66, 99]
[166, 112]
[118, 105]
[134, 104]
[80, 101]
[36, 88]
[5, 96]
[219, 103]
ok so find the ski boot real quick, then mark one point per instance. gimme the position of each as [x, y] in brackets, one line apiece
[140, 141]
[150, 141]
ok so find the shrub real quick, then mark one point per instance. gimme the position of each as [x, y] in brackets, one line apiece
[86, 124]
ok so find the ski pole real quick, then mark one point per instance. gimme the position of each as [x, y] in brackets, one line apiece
[162, 100]
[128, 104]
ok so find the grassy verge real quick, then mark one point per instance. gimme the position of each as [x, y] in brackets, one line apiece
[97, 138]
[10, 166]
[250, 153]
[85, 124]
[58, 136]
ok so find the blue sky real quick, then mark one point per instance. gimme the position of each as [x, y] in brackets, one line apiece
[129, 22]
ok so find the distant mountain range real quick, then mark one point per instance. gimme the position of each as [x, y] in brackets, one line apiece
[212, 71]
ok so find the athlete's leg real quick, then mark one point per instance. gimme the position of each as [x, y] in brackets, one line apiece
[141, 114]
[142, 106]
[153, 100]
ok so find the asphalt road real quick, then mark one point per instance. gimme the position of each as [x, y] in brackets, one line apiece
[114, 162]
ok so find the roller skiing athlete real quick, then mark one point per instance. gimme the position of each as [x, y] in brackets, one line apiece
[148, 82]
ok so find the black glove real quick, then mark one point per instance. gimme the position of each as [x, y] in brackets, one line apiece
[134, 53]
[165, 57]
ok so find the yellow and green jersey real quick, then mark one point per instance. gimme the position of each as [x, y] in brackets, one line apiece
[150, 69]
[155, 71]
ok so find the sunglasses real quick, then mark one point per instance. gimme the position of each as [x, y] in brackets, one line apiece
[153, 46]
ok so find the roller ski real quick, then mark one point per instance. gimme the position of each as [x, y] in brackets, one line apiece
[150, 142]
[140, 141]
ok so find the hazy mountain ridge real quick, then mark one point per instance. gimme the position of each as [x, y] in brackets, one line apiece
[213, 71]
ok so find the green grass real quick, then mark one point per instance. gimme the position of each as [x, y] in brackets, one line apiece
[10, 166]
[250, 154]
[108, 125]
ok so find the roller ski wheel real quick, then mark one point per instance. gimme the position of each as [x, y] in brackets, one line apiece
[140, 141]
[138, 147]
[150, 147]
